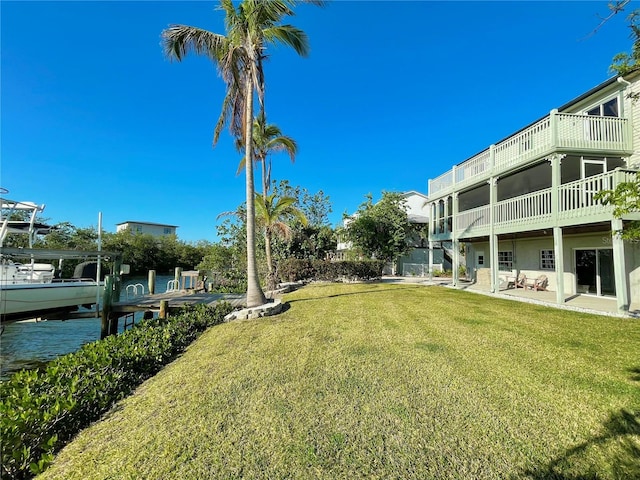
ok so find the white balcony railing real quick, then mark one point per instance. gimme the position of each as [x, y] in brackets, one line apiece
[574, 200]
[520, 210]
[474, 218]
[557, 131]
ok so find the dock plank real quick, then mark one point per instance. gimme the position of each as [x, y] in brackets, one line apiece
[176, 299]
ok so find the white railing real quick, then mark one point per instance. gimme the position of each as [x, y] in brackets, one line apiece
[563, 131]
[576, 198]
[135, 290]
[443, 182]
[525, 145]
[476, 217]
[474, 167]
[520, 210]
[173, 286]
[584, 132]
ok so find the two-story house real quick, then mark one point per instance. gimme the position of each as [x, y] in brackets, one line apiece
[155, 229]
[526, 203]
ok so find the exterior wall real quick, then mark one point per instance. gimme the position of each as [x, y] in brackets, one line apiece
[151, 229]
[632, 258]
[633, 107]
[416, 204]
[526, 258]
[420, 256]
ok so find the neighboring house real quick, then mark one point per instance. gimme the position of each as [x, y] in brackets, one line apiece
[525, 204]
[416, 262]
[155, 229]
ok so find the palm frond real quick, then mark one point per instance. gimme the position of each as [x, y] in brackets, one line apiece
[288, 35]
[179, 40]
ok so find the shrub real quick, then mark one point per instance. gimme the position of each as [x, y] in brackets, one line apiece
[293, 269]
[41, 410]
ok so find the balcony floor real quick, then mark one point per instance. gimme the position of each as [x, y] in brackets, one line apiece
[583, 303]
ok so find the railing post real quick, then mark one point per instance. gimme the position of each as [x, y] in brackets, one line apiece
[553, 124]
[492, 157]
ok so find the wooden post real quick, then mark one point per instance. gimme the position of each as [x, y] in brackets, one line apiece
[152, 282]
[106, 306]
[178, 278]
[164, 308]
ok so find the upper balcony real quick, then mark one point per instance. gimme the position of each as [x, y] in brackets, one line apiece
[574, 204]
[557, 132]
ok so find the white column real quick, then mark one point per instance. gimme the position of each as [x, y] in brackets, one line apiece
[558, 255]
[620, 272]
[430, 260]
[455, 264]
[493, 238]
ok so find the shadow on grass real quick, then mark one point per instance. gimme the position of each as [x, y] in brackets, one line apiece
[360, 292]
[616, 444]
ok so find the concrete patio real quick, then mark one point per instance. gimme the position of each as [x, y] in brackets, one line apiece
[583, 303]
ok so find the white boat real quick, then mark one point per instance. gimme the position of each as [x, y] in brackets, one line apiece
[29, 289]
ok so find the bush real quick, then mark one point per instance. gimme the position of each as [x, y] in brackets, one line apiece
[292, 270]
[41, 410]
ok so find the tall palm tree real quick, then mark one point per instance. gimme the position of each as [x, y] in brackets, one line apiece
[239, 56]
[267, 139]
[272, 213]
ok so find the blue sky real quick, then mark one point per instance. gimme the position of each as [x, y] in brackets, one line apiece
[95, 119]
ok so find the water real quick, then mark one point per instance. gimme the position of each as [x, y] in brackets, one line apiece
[30, 344]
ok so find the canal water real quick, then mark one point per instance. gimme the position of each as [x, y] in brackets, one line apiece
[31, 343]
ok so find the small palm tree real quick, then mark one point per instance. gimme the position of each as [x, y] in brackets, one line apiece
[272, 213]
[267, 139]
[239, 56]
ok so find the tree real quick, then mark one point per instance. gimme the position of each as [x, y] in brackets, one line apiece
[380, 230]
[239, 56]
[267, 139]
[625, 199]
[315, 239]
[273, 213]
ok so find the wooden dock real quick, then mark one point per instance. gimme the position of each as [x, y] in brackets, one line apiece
[151, 303]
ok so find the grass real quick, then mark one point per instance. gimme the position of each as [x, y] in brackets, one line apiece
[383, 381]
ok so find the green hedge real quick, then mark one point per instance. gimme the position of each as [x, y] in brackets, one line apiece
[293, 270]
[41, 410]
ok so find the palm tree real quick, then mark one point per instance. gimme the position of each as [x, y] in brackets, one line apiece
[239, 56]
[267, 138]
[272, 214]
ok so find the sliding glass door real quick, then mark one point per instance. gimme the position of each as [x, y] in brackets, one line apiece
[595, 272]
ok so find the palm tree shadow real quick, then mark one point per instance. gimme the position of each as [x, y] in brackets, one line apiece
[616, 441]
[408, 287]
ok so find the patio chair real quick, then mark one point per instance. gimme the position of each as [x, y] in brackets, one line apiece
[539, 283]
[521, 281]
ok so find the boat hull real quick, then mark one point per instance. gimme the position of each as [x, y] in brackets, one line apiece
[27, 300]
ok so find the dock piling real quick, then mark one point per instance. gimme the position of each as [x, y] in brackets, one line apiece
[152, 282]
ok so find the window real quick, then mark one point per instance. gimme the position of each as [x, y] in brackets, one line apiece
[606, 109]
[547, 260]
[505, 261]
[167, 231]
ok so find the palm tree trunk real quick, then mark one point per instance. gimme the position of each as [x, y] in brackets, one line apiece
[255, 295]
[271, 280]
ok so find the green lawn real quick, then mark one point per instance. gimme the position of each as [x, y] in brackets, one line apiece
[383, 381]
